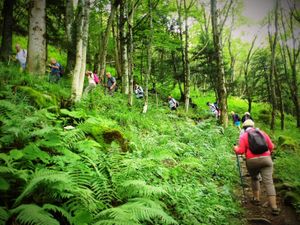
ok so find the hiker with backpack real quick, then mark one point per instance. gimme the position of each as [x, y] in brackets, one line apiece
[236, 120]
[92, 82]
[257, 147]
[21, 56]
[214, 109]
[173, 104]
[111, 84]
[246, 116]
[138, 90]
[55, 70]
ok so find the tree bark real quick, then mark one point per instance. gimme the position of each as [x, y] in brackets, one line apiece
[293, 55]
[186, 59]
[36, 59]
[123, 47]
[273, 42]
[149, 56]
[130, 50]
[81, 46]
[71, 8]
[6, 44]
[114, 6]
[221, 88]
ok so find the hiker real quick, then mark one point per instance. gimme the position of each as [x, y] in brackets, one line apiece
[111, 83]
[213, 109]
[246, 116]
[173, 103]
[96, 77]
[91, 80]
[236, 120]
[138, 90]
[21, 56]
[55, 72]
[258, 150]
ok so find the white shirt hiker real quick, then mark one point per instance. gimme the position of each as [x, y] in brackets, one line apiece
[21, 57]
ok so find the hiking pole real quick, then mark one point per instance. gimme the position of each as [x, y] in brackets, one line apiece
[240, 173]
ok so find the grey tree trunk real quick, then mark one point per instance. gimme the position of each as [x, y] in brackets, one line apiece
[149, 56]
[123, 47]
[104, 42]
[36, 59]
[186, 60]
[130, 51]
[7, 12]
[273, 43]
[221, 88]
[293, 54]
[81, 46]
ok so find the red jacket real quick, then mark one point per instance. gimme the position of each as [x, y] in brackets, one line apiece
[243, 147]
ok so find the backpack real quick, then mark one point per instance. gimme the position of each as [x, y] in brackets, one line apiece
[257, 142]
[96, 79]
[61, 70]
[176, 103]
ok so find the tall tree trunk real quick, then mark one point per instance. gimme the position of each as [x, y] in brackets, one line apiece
[280, 101]
[123, 47]
[114, 6]
[186, 59]
[273, 42]
[81, 46]
[149, 56]
[117, 49]
[130, 50]
[246, 71]
[71, 8]
[6, 43]
[221, 88]
[36, 38]
[293, 54]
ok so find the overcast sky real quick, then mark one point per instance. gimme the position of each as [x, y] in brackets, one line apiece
[256, 11]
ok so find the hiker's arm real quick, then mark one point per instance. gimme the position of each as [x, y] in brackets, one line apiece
[269, 142]
[55, 67]
[113, 86]
[241, 149]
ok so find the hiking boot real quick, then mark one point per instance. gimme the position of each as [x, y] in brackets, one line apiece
[255, 201]
[275, 211]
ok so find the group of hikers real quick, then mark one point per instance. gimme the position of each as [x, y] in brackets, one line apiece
[255, 144]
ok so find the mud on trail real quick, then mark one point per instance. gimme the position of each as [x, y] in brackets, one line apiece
[261, 215]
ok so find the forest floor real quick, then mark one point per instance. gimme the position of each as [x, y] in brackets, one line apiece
[261, 215]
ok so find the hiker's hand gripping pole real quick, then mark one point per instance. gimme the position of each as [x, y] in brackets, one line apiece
[241, 176]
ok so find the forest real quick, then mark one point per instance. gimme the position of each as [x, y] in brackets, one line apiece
[130, 112]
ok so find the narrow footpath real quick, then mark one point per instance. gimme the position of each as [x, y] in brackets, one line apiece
[261, 215]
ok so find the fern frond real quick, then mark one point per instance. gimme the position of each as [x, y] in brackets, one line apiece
[72, 137]
[115, 221]
[62, 211]
[33, 214]
[44, 176]
[137, 210]
[4, 215]
[139, 188]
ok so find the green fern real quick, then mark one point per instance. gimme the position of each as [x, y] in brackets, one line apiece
[135, 211]
[57, 209]
[33, 214]
[139, 188]
[44, 176]
[4, 215]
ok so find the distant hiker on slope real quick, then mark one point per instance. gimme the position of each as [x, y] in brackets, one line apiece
[55, 72]
[236, 120]
[257, 147]
[92, 82]
[173, 104]
[138, 90]
[111, 84]
[21, 56]
[214, 109]
[246, 116]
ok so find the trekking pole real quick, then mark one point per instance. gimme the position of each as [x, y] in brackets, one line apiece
[240, 173]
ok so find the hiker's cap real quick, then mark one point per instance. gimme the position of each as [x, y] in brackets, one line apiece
[247, 113]
[248, 123]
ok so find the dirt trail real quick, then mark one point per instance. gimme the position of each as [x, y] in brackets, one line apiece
[261, 215]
